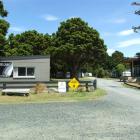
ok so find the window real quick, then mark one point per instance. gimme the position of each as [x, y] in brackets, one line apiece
[21, 71]
[30, 71]
[24, 72]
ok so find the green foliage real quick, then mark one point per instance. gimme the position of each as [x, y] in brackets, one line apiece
[75, 44]
[117, 58]
[110, 62]
[100, 73]
[138, 54]
[3, 12]
[4, 25]
[28, 43]
[120, 68]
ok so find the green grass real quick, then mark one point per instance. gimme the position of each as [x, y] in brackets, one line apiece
[53, 97]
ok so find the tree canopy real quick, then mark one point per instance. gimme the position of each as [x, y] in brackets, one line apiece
[3, 12]
[120, 68]
[117, 57]
[4, 25]
[27, 43]
[138, 54]
[75, 44]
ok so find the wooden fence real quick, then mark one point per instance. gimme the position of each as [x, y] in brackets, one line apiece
[50, 84]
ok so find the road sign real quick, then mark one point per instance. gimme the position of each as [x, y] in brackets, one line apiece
[62, 87]
[74, 84]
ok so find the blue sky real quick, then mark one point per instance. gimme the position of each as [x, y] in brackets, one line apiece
[112, 18]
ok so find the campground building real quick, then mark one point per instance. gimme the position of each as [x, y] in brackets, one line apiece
[25, 68]
[134, 66]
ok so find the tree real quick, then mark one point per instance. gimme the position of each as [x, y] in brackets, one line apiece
[75, 43]
[4, 25]
[3, 12]
[137, 12]
[138, 54]
[120, 68]
[27, 43]
[117, 58]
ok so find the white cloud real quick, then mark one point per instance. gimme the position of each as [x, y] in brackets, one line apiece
[119, 21]
[128, 43]
[110, 51]
[107, 34]
[126, 32]
[50, 17]
[16, 29]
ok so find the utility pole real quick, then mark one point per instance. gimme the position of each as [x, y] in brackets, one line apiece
[137, 12]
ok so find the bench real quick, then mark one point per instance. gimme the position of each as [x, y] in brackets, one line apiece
[24, 92]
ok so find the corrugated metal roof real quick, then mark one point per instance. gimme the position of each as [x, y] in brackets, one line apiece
[25, 57]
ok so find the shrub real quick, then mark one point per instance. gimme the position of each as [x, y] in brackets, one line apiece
[81, 89]
[101, 73]
[40, 88]
[107, 74]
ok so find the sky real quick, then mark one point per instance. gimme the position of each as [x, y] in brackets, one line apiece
[113, 19]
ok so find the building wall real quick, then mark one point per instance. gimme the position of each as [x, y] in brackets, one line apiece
[41, 65]
[137, 68]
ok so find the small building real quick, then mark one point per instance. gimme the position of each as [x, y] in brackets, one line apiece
[134, 66]
[25, 68]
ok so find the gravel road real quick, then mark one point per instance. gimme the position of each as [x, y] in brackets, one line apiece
[112, 117]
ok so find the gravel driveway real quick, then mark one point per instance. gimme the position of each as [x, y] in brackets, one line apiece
[112, 117]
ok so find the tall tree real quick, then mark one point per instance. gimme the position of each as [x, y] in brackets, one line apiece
[76, 43]
[117, 58]
[27, 43]
[4, 25]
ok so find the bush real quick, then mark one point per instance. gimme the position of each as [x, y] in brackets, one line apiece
[101, 73]
[107, 74]
[81, 89]
[120, 68]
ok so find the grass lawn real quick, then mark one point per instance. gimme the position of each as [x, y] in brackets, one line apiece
[53, 97]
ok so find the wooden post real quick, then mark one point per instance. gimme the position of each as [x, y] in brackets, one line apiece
[87, 87]
[95, 84]
[67, 86]
[4, 85]
[132, 68]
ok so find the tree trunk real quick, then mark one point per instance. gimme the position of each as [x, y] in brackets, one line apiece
[74, 72]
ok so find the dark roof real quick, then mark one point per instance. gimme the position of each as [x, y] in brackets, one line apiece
[25, 57]
[132, 59]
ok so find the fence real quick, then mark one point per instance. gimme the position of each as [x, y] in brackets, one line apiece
[50, 84]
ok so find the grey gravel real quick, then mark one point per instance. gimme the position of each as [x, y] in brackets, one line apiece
[112, 117]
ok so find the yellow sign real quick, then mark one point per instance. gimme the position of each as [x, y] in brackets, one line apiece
[74, 84]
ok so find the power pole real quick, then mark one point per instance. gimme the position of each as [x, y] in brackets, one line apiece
[137, 12]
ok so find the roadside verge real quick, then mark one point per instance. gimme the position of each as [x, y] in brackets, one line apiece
[53, 97]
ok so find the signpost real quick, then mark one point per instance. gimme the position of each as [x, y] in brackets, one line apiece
[73, 84]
